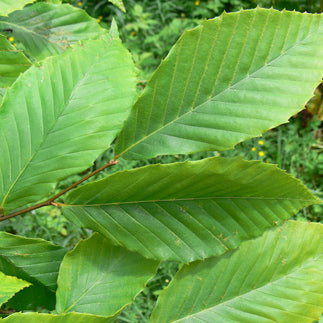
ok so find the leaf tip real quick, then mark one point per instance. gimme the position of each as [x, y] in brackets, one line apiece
[114, 29]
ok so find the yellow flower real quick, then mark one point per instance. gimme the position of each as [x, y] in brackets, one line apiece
[79, 3]
[98, 20]
[261, 154]
[14, 44]
[253, 148]
[260, 142]
[197, 2]
[11, 38]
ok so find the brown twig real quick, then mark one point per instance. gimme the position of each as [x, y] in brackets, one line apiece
[6, 312]
[51, 201]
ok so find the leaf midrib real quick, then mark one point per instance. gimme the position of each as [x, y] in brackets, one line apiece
[192, 199]
[95, 282]
[292, 271]
[231, 85]
[96, 62]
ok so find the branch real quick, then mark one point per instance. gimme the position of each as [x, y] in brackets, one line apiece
[51, 201]
[7, 312]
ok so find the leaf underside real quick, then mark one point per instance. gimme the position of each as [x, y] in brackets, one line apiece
[59, 116]
[7, 6]
[50, 318]
[98, 278]
[46, 29]
[188, 211]
[230, 79]
[274, 278]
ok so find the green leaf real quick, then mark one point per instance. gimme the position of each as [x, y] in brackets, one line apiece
[113, 31]
[46, 29]
[12, 63]
[53, 1]
[9, 286]
[59, 116]
[98, 278]
[7, 6]
[34, 260]
[119, 4]
[274, 278]
[33, 297]
[50, 318]
[2, 93]
[230, 79]
[188, 211]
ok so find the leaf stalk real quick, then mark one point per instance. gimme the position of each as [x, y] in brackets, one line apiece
[51, 201]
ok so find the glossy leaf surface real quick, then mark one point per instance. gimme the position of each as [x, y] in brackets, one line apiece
[274, 278]
[101, 279]
[7, 6]
[230, 79]
[9, 286]
[46, 29]
[188, 211]
[50, 318]
[59, 116]
[12, 62]
[34, 260]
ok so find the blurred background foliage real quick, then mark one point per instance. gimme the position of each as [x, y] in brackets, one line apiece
[148, 29]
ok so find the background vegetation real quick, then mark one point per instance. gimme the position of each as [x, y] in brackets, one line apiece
[149, 28]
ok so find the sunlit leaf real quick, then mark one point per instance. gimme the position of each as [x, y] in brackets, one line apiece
[230, 79]
[188, 211]
[59, 116]
[274, 278]
[9, 286]
[7, 6]
[101, 279]
[50, 318]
